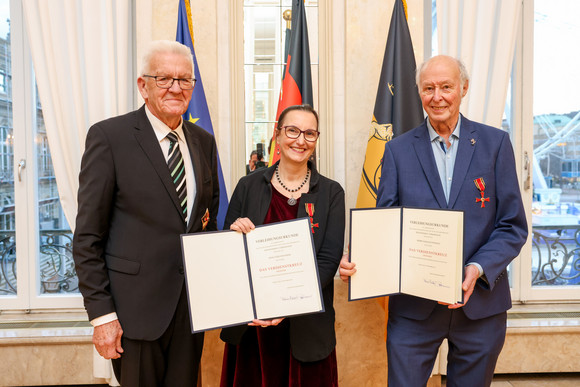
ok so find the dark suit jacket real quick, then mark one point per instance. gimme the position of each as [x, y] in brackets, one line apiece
[312, 337]
[493, 235]
[126, 244]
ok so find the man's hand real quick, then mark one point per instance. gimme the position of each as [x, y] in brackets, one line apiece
[471, 276]
[107, 339]
[346, 268]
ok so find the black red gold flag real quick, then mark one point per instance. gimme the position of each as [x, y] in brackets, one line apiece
[297, 80]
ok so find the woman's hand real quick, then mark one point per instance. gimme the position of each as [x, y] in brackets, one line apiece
[266, 323]
[346, 268]
[244, 225]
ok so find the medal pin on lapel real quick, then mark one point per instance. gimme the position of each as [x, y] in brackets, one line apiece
[480, 184]
[205, 219]
[310, 211]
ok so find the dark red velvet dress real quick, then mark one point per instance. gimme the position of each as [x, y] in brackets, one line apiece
[264, 358]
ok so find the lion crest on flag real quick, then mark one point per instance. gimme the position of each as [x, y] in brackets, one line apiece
[371, 174]
[382, 132]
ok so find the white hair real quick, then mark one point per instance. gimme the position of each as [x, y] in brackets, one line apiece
[157, 47]
[463, 74]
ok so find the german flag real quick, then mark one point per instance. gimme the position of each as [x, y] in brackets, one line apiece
[297, 81]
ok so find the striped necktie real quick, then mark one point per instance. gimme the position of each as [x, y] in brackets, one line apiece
[177, 169]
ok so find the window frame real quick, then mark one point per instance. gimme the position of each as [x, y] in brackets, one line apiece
[523, 92]
[26, 189]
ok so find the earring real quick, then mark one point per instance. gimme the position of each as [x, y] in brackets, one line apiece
[277, 150]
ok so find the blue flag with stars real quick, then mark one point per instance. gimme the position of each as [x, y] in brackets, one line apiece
[198, 112]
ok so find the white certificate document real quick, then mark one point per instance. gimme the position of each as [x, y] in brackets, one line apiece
[233, 278]
[407, 250]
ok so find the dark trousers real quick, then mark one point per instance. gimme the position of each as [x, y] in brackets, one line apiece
[172, 360]
[474, 346]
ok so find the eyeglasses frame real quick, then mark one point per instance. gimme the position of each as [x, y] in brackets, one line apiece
[172, 81]
[302, 132]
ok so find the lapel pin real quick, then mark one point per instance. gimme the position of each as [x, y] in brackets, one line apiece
[472, 141]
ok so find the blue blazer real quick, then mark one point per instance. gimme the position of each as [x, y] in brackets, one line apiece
[493, 235]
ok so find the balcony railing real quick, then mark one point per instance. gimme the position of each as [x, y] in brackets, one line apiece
[55, 263]
[556, 255]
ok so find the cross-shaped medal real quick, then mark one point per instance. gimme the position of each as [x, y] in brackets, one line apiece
[482, 200]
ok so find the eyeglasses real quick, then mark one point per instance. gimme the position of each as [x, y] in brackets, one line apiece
[310, 135]
[166, 82]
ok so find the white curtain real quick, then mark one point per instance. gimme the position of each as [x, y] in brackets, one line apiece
[83, 61]
[482, 34]
[82, 54]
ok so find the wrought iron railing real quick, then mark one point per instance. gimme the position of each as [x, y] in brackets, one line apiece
[555, 259]
[556, 255]
[55, 263]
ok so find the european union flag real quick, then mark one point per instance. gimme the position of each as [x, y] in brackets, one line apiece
[198, 112]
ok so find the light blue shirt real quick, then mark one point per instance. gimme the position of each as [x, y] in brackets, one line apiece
[445, 158]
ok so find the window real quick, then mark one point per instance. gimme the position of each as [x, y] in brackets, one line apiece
[555, 258]
[542, 115]
[546, 119]
[36, 266]
[264, 59]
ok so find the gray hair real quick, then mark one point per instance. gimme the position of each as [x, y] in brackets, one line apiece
[165, 46]
[463, 74]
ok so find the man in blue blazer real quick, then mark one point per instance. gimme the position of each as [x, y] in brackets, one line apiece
[450, 162]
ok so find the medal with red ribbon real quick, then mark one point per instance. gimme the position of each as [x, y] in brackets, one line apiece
[480, 184]
[310, 211]
[205, 219]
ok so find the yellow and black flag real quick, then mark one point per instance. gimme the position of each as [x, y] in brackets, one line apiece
[397, 107]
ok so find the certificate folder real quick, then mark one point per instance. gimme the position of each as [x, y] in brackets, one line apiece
[233, 278]
[402, 250]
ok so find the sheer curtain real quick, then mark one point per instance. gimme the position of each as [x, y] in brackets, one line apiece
[82, 53]
[483, 35]
[83, 61]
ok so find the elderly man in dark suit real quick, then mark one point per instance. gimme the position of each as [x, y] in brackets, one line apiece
[146, 177]
[450, 162]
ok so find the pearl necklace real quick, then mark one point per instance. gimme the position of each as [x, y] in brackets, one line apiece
[291, 200]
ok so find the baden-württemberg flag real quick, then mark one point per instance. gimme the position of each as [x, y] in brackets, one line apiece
[198, 112]
[397, 107]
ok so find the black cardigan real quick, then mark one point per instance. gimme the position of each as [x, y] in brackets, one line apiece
[312, 337]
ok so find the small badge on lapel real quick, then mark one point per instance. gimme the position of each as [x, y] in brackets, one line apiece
[480, 184]
[205, 220]
[310, 211]
[472, 141]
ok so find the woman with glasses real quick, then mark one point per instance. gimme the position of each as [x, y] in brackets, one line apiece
[300, 350]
